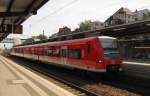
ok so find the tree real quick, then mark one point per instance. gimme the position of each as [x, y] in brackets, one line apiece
[53, 35]
[84, 26]
[35, 38]
[146, 16]
[77, 30]
[41, 37]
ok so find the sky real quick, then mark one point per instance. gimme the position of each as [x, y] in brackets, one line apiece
[58, 13]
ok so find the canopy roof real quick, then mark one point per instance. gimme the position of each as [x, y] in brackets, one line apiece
[14, 12]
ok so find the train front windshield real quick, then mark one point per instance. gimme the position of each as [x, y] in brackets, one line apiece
[110, 47]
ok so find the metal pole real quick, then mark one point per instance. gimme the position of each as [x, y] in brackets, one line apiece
[43, 33]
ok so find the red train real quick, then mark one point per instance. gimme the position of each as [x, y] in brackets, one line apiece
[97, 54]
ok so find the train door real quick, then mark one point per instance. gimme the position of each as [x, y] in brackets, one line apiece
[45, 56]
[63, 54]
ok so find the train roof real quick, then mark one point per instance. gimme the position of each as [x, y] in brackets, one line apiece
[58, 42]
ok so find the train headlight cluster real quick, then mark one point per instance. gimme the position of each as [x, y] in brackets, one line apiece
[100, 61]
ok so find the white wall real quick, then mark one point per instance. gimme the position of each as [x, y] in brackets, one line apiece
[7, 45]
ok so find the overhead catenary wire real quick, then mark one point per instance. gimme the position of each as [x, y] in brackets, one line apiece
[72, 2]
[69, 4]
[56, 11]
[63, 7]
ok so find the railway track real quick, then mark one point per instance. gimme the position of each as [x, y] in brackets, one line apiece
[124, 85]
[77, 90]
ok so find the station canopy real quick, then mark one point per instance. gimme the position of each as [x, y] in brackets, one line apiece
[14, 12]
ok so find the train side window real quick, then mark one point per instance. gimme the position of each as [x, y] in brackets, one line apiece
[32, 51]
[50, 52]
[42, 51]
[77, 53]
[70, 53]
[63, 53]
[55, 52]
[46, 51]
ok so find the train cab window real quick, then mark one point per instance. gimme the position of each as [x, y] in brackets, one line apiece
[77, 53]
[63, 52]
[70, 53]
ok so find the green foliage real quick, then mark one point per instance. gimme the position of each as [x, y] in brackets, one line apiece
[33, 38]
[53, 35]
[77, 30]
[84, 26]
[41, 37]
[146, 16]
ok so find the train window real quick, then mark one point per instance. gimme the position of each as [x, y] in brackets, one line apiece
[32, 50]
[50, 52]
[40, 51]
[63, 53]
[70, 53]
[54, 52]
[77, 54]
[46, 51]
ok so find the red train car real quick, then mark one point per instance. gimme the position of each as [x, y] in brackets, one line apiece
[97, 54]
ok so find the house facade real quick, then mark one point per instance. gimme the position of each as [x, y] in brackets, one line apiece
[142, 14]
[63, 31]
[122, 16]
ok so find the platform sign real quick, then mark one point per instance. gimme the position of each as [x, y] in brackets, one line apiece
[9, 28]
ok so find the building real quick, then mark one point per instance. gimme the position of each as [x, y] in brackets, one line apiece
[142, 14]
[63, 31]
[122, 16]
[133, 46]
[7, 43]
[97, 25]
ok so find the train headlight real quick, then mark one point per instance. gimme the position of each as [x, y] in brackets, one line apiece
[100, 61]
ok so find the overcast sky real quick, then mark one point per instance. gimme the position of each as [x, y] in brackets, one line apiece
[59, 13]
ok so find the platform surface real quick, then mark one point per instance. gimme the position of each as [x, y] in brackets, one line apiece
[16, 80]
[137, 67]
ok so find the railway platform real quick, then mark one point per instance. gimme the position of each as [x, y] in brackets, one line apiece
[16, 80]
[137, 67]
